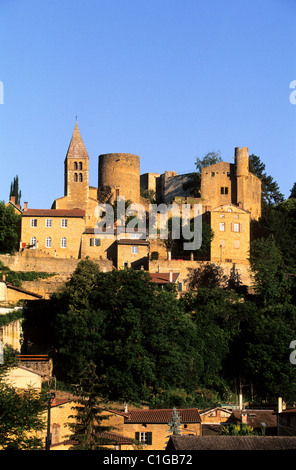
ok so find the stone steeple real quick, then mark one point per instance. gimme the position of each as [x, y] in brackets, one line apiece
[77, 171]
[77, 148]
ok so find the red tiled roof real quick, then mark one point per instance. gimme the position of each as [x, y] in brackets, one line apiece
[187, 415]
[54, 213]
[133, 241]
[162, 278]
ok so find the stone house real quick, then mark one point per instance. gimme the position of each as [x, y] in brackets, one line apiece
[150, 428]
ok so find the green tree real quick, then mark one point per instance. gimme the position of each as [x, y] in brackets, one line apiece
[21, 413]
[88, 432]
[9, 229]
[208, 275]
[271, 194]
[268, 271]
[15, 191]
[240, 429]
[175, 423]
[194, 179]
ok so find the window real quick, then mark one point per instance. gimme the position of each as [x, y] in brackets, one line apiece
[75, 177]
[48, 223]
[33, 222]
[145, 437]
[63, 242]
[48, 242]
[135, 250]
[236, 244]
[236, 227]
[64, 223]
[75, 166]
[222, 226]
[212, 173]
[222, 215]
[33, 242]
[224, 190]
[95, 242]
[80, 166]
[80, 178]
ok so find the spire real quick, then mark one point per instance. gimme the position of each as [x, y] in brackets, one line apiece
[77, 148]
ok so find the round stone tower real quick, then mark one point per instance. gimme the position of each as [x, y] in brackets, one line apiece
[120, 172]
[241, 158]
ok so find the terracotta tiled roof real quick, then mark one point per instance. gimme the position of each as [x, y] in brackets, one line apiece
[162, 278]
[255, 418]
[187, 415]
[54, 213]
[182, 442]
[133, 241]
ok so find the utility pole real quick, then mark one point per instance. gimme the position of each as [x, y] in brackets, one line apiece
[50, 397]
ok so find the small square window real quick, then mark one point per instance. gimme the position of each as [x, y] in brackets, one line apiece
[222, 227]
[48, 223]
[64, 223]
[48, 242]
[135, 250]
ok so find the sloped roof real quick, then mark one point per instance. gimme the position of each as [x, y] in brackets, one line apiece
[20, 289]
[232, 206]
[133, 241]
[209, 410]
[164, 416]
[162, 278]
[255, 418]
[76, 147]
[182, 442]
[54, 213]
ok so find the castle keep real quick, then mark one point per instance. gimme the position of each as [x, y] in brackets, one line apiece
[230, 196]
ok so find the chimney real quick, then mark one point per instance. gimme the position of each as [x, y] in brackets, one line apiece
[280, 404]
[171, 276]
[25, 206]
[12, 199]
[241, 401]
[244, 416]
[125, 407]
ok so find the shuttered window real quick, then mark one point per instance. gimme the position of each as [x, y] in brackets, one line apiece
[144, 437]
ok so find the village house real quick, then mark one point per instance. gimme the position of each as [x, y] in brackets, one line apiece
[150, 427]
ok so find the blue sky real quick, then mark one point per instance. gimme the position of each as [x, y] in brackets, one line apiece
[168, 80]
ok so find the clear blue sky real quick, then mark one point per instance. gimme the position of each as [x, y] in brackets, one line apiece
[168, 80]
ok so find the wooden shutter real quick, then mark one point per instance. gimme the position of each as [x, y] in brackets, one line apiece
[137, 436]
[149, 438]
